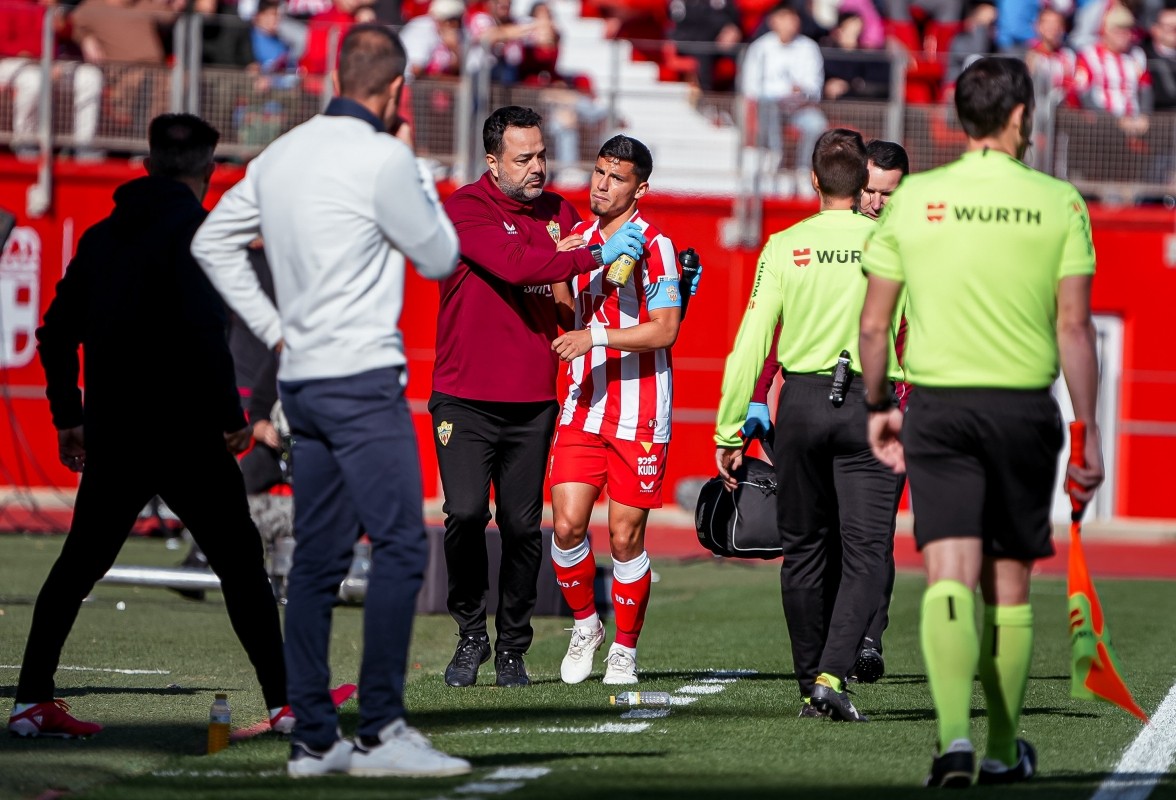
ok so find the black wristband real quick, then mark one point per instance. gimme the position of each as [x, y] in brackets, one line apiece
[885, 405]
[597, 254]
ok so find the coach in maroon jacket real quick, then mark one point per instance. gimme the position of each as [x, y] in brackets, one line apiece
[493, 402]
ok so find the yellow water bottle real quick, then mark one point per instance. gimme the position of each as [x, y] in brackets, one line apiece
[219, 719]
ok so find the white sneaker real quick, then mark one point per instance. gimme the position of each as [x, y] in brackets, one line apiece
[404, 752]
[619, 666]
[307, 763]
[577, 664]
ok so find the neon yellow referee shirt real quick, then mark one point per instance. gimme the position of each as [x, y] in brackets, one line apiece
[810, 279]
[981, 244]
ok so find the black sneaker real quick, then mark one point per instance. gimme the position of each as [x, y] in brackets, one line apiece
[194, 560]
[834, 704]
[472, 652]
[993, 772]
[511, 670]
[951, 770]
[869, 666]
[807, 711]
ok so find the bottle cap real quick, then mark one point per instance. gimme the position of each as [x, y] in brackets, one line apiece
[221, 696]
[612, 699]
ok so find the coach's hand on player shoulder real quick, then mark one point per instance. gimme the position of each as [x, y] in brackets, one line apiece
[1085, 479]
[884, 428]
[572, 345]
[628, 240]
[573, 242]
[728, 459]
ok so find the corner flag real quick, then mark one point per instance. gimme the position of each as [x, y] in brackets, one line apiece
[1094, 669]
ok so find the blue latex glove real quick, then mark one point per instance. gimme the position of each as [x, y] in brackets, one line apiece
[758, 421]
[629, 240]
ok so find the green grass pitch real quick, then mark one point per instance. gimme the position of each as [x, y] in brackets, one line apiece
[740, 738]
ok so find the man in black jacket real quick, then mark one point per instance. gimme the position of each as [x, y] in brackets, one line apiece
[144, 314]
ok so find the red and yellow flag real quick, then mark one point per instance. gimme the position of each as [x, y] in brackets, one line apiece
[1094, 669]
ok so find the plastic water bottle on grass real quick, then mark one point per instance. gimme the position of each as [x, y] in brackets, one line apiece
[634, 699]
[219, 720]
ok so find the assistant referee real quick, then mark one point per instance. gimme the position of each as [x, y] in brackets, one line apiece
[982, 432]
[835, 500]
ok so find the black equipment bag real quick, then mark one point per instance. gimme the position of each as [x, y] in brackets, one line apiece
[740, 524]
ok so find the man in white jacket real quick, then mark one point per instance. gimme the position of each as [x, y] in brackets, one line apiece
[782, 76]
[340, 204]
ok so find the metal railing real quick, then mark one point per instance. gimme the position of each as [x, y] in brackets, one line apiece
[703, 143]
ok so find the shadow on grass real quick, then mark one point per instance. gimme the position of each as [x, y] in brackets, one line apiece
[156, 691]
[920, 714]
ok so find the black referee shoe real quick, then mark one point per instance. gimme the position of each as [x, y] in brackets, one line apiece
[834, 704]
[510, 669]
[951, 770]
[472, 652]
[993, 772]
[807, 711]
[869, 666]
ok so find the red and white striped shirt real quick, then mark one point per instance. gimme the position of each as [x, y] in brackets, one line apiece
[614, 393]
[1111, 81]
[1058, 66]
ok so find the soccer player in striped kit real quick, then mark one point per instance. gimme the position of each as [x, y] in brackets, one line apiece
[615, 425]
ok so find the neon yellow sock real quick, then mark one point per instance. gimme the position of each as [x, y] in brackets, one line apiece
[833, 680]
[1006, 649]
[950, 651]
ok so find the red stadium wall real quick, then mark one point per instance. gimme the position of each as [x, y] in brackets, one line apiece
[1136, 282]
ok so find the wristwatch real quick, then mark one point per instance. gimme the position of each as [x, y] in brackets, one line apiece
[597, 254]
[884, 405]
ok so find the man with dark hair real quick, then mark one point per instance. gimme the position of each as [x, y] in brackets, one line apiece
[831, 488]
[615, 426]
[493, 402]
[342, 206]
[887, 164]
[981, 441]
[137, 304]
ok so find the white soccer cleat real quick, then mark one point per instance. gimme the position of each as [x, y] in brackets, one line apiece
[619, 666]
[404, 752]
[577, 664]
[307, 763]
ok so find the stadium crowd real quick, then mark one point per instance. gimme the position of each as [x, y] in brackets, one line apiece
[1115, 59]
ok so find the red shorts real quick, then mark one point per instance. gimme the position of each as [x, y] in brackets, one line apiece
[633, 470]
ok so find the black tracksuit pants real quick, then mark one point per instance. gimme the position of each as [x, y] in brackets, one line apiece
[203, 485]
[505, 445]
[836, 507]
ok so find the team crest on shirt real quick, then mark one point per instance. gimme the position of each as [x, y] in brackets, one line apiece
[553, 231]
[444, 431]
[936, 212]
[509, 227]
[671, 294]
[801, 258]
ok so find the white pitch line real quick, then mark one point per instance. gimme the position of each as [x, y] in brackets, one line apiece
[489, 787]
[700, 688]
[102, 669]
[517, 773]
[216, 773]
[1147, 759]
[646, 713]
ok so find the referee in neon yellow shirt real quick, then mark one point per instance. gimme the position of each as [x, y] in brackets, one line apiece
[997, 261]
[836, 501]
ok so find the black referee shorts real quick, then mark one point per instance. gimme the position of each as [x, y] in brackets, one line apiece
[983, 463]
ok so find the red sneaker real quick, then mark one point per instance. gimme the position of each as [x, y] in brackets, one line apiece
[283, 721]
[50, 719]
